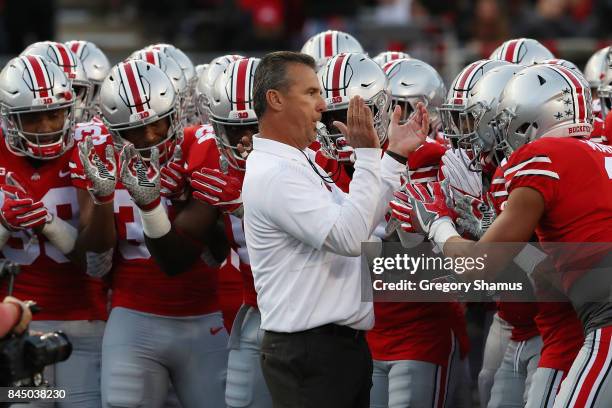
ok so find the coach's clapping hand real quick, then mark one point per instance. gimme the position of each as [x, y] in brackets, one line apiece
[405, 139]
[359, 130]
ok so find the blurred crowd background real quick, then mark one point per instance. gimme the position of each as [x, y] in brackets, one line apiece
[447, 34]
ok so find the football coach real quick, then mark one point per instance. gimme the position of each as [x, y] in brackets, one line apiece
[304, 235]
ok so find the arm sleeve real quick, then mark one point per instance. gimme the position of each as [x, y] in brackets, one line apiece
[299, 204]
[347, 241]
[533, 167]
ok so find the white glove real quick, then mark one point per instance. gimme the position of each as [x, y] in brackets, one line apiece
[141, 180]
[455, 170]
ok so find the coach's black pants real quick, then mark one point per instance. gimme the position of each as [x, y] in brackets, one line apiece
[328, 366]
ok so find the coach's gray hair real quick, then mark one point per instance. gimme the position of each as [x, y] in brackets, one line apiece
[271, 73]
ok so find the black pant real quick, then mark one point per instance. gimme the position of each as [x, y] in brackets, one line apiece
[329, 366]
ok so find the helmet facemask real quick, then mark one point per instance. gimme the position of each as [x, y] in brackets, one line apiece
[228, 135]
[84, 94]
[166, 146]
[40, 146]
[454, 123]
[333, 141]
[507, 141]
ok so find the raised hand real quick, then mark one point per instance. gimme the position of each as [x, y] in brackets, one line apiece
[406, 138]
[173, 177]
[359, 128]
[101, 175]
[142, 181]
[218, 189]
[455, 170]
[18, 211]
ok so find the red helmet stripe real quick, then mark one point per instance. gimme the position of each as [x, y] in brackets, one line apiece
[64, 57]
[77, 47]
[328, 45]
[241, 74]
[390, 65]
[510, 48]
[337, 70]
[41, 86]
[464, 79]
[579, 99]
[150, 57]
[134, 90]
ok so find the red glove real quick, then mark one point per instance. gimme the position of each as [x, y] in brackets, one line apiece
[421, 205]
[401, 210]
[216, 188]
[18, 211]
[173, 177]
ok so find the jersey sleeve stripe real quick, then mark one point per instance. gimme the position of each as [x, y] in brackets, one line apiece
[500, 194]
[535, 159]
[545, 173]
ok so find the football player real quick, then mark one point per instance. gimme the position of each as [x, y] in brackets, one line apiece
[165, 325]
[536, 132]
[40, 218]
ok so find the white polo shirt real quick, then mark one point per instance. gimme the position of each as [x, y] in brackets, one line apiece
[304, 236]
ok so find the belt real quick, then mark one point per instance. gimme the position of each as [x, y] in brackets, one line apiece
[337, 330]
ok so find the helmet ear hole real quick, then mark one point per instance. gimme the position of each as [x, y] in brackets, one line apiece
[523, 128]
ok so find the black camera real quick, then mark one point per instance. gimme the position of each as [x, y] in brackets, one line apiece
[23, 357]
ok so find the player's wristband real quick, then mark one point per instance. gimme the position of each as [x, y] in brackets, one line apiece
[5, 234]
[397, 157]
[155, 223]
[61, 234]
[441, 230]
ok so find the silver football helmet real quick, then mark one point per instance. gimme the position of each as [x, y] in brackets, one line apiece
[96, 66]
[32, 83]
[189, 113]
[388, 56]
[136, 94]
[341, 78]
[542, 101]
[596, 66]
[325, 45]
[567, 64]
[171, 69]
[412, 81]
[231, 109]
[523, 51]
[72, 66]
[456, 98]
[206, 82]
[477, 136]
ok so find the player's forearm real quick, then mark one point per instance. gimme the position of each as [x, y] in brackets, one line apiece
[97, 232]
[175, 252]
[177, 246]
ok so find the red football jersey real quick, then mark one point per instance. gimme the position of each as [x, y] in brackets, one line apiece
[561, 333]
[336, 171]
[207, 155]
[520, 315]
[598, 135]
[574, 178]
[137, 281]
[62, 290]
